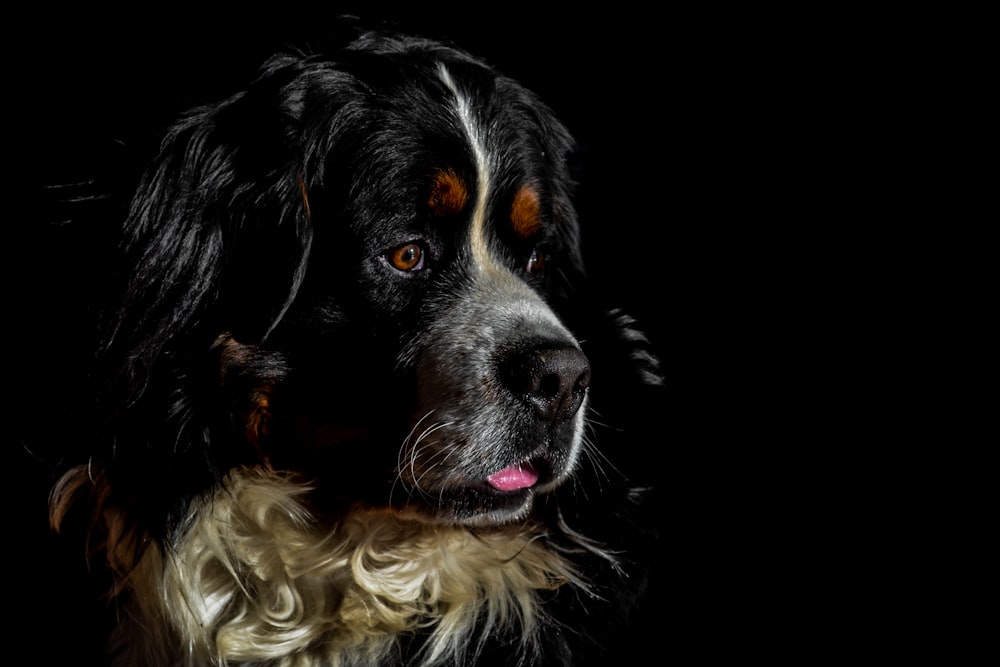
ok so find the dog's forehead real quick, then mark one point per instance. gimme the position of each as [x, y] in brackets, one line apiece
[450, 192]
[439, 149]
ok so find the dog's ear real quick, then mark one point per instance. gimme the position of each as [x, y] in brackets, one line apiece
[226, 196]
[214, 247]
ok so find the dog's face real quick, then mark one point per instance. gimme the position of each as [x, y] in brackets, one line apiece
[420, 210]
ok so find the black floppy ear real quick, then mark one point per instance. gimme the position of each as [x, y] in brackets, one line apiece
[214, 248]
[218, 233]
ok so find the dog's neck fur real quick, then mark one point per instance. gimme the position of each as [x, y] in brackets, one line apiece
[253, 580]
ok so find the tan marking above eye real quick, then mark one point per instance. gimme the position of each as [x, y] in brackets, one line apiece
[525, 212]
[448, 193]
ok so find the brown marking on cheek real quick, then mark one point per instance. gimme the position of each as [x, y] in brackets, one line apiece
[525, 212]
[242, 370]
[257, 424]
[448, 194]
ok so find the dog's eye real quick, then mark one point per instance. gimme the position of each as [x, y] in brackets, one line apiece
[407, 257]
[536, 262]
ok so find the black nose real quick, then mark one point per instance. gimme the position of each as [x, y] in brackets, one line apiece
[553, 380]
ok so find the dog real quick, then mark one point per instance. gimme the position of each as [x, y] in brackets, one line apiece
[352, 398]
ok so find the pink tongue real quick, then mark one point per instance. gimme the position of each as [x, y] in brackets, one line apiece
[514, 477]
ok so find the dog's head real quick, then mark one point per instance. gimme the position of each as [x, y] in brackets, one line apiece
[358, 269]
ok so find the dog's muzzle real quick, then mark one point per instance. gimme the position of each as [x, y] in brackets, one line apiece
[502, 393]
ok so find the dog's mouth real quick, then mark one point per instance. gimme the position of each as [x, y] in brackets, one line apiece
[503, 496]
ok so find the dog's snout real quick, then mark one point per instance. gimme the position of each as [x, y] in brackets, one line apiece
[552, 380]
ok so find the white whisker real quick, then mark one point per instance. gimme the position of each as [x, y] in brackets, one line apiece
[417, 442]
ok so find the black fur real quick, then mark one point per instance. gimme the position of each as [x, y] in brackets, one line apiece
[247, 317]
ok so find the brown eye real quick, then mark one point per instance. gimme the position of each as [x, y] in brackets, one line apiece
[536, 262]
[408, 257]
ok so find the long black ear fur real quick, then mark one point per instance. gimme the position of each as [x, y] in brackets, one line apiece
[227, 177]
[227, 196]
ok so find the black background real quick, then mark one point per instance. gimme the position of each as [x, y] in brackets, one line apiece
[778, 198]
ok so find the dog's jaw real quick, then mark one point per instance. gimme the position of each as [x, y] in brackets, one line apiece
[506, 496]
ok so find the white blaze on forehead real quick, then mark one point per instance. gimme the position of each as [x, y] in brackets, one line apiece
[484, 169]
[510, 292]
